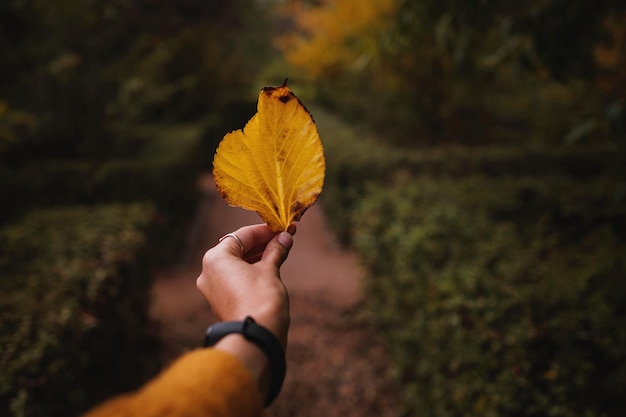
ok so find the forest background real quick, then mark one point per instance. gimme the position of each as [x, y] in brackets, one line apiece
[484, 187]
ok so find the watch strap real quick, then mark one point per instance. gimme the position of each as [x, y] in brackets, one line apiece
[262, 338]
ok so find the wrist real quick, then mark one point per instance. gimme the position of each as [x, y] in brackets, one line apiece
[277, 324]
[275, 318]
[257, 348]
[251, 357]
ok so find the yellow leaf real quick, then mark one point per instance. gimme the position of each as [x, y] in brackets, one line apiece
[275, 165]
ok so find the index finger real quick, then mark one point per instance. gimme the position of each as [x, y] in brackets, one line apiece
[250, 237]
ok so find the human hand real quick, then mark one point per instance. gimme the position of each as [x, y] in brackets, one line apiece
[239, 283]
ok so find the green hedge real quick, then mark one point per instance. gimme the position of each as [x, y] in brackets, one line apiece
[500, 296]
[155, 162]
[496, 274]
[355, 159]
[352, 167]
[73, 307]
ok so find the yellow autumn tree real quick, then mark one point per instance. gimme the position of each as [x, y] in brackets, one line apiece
[335, 35]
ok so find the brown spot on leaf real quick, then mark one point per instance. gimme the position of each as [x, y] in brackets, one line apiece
[298, 209]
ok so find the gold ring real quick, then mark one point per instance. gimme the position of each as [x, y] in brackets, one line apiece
[234, 236]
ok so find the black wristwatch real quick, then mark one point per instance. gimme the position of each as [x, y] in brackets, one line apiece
[261, 337]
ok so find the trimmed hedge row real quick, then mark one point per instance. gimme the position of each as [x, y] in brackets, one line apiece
[157, 163]
[354, 161]
[73, 308]
[84, 252]
[501, 297]
[495, 274]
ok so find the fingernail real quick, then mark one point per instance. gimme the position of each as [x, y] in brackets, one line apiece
[285, 239]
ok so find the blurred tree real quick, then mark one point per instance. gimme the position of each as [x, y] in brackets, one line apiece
[336, 35]
[81, 66]
[442, 68]
[91, 75]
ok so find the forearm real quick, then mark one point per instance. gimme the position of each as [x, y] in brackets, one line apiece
[204, 382]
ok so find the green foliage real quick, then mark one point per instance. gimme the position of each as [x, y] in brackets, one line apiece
[118, 96]
[496, 274]
[153, 163]
[473, 72]
[103, 103]
[357, 160]
[82, 69]
[73, 284]
[351, 163]
[556, 35]
[11, 123]
[501, 296]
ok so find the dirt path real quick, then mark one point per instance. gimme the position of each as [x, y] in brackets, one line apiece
[336, 365]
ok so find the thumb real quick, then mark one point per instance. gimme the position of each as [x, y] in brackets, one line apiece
[277, 249]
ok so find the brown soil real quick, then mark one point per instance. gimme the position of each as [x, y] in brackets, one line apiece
[336, 364]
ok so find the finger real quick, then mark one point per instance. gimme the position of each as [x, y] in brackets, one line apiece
[277, 249]
[249, 236]
[255, 254]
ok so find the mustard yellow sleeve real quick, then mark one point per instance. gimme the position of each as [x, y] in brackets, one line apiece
[201, 383]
